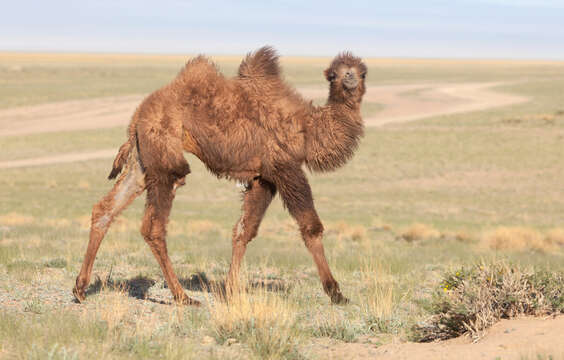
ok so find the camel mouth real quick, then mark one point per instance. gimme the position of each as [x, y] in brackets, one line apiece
[350, 82]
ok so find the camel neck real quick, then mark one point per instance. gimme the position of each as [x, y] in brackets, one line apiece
[333, 135]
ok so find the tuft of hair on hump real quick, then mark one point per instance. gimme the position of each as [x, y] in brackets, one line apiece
[263, 62]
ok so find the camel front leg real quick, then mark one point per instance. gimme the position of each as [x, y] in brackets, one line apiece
[296, 195]
[256, 199]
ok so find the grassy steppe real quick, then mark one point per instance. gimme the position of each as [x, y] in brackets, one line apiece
[461, 176]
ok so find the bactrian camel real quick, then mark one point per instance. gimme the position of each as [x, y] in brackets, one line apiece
[253, 128]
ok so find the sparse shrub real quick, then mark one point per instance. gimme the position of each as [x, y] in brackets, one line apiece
[460, 236]
[21, 265]
[262, 321]
[534, 119]
[379, 225]
[516, 238]
[418, 232]
[34, 306]
[471, 300]
[348, 232]
[463, 236]
[58, 263]
[55, 352]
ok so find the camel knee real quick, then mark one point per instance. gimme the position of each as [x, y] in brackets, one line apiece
[243, 233]
[311, 228]
[101, 216]
[153, 229]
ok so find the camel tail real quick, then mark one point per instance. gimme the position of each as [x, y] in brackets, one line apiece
[120, 160]
[263, 62]
[123, 153]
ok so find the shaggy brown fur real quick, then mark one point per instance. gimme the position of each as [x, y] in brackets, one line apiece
[253, 128]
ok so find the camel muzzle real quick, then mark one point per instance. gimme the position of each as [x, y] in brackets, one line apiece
[350, 81]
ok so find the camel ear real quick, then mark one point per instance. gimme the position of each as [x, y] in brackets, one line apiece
[330, 74]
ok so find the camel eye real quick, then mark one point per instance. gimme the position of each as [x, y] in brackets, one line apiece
[363, 75]
[331, 76]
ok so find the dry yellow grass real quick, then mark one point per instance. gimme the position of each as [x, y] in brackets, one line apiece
[84, 221]
[516, 238]
[83, 184]
[463, 236]
[379, 305]
[198, 227]
[262, 320]
[556, 236]
[418, 232]
[460, 235]
[57, 223]
[346, 231]
[379, 224]
[15, 219]
[112, 308]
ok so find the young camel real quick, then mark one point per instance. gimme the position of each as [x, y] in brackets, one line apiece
[253, 128]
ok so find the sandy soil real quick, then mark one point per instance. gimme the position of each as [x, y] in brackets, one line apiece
[400, 103]
[59, 159]
[98, 113]
[524, 338]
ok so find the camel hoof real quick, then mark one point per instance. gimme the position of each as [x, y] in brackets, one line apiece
[188, 301]
[78, 295]
[339, 299]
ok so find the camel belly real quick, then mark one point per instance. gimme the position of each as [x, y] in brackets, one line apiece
[243, 169]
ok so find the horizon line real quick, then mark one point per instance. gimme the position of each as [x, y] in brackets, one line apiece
[241, 55]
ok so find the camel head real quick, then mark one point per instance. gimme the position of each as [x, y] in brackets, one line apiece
[346, 76]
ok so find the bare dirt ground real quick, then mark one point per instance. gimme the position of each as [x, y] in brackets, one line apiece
[525, 338]
[71, 115]
[59, 159]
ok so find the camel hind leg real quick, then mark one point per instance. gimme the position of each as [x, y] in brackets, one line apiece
[160, 194]
[256, 199]
[130, 184]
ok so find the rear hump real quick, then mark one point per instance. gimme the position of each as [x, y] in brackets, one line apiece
[261, 63]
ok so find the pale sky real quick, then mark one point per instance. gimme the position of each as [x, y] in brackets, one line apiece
[523, 29]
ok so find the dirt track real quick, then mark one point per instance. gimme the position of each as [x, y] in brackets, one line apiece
[525, 338]
[400, 103]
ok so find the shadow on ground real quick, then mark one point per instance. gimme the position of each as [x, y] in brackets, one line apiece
[200, 282]
[138, 287]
